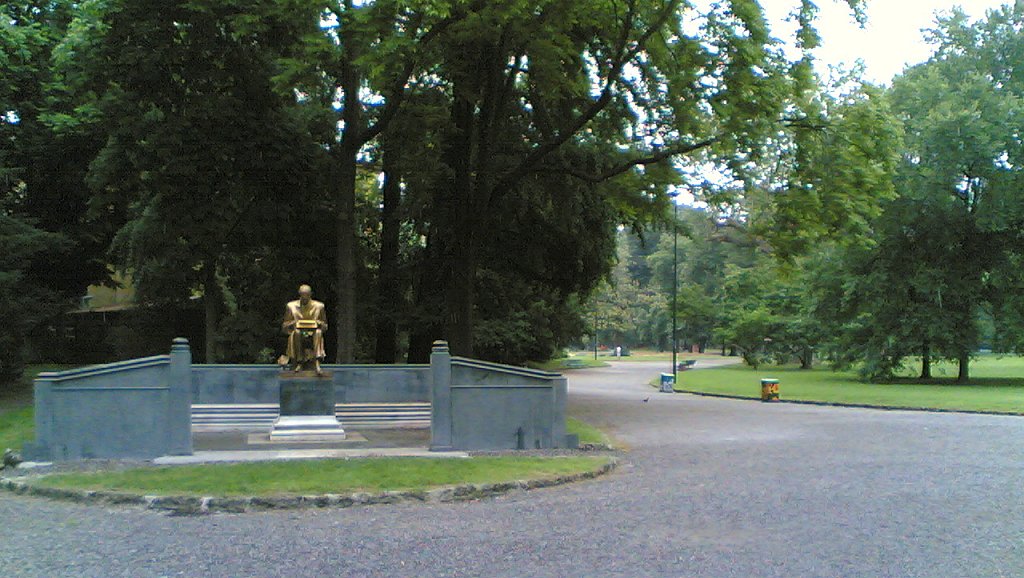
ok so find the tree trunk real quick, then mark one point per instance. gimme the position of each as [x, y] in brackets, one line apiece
[806, 358]
[345, 268]
[926, 361]
[427, 325]
[347, 153]
[460, 298]
[459, 235]
[211, 309]
[964, 374]
[389, 292]
[479, 108]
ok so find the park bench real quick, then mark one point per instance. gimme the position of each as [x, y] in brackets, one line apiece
[686, 364]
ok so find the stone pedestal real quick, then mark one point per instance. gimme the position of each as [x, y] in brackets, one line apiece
[306, 393]
[307, 409]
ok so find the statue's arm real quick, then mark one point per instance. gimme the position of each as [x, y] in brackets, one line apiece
[322, 318]
[288, 325]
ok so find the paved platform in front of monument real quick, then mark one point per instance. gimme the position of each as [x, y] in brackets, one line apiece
[711, 487]
[207, 457]
[357, 439]
[248, 446]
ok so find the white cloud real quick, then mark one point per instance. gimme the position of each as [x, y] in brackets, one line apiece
[892, 38]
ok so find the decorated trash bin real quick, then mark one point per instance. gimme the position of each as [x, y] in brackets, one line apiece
[668, 382]
[769, 389]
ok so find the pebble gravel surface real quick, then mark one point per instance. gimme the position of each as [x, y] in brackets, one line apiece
[710, 487]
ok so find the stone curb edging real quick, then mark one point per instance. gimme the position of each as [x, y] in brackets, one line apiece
[195, 505]
[588, 447]
[854, 405]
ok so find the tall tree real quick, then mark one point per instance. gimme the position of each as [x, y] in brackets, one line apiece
[890, 300]
[599, 93]
[43, 160]
[50, 252]
[202, 155]
[23, 304]
[361, 70]
[944, 252]
[554, 122]
[962, 160]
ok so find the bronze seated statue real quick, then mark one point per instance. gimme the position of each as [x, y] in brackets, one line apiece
[305, 321]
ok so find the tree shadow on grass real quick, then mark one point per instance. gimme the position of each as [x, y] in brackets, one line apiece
[980, 382]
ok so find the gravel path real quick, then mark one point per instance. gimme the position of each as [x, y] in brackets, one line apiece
[712, 487]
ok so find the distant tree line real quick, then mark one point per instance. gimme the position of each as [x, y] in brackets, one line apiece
[935, 274]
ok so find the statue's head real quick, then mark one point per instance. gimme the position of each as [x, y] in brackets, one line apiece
[305, 293]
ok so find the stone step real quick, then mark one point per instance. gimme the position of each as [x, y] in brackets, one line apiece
[222, 407]
[403, 424]
[305, 423]
[384, 414]
[217, 417]
[307, 428]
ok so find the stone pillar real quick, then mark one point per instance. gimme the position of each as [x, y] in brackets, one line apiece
[560, 389]
[179, 406]
[441, 397]
[40, 450]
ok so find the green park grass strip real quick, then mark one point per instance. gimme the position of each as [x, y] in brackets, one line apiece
[998, 387]
[308, 477]
[16, 427]
[642, 355]
[17, 421]
[587, 433]
[639, 355]
[568, 364]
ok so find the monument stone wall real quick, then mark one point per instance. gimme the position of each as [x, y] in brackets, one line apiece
[142, 408]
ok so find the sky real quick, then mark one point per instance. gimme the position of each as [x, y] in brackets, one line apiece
[891, 39]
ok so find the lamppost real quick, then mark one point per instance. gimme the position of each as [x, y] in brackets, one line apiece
[669, 387]
[675, 278]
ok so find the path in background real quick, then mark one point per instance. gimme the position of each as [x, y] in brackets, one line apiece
[712, 487]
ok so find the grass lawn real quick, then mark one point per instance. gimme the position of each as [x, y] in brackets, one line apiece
[562, 363]
[587, 433]
[17, 422]
[17, 426]
[323, 476]
[651, 355]
[997, 385]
